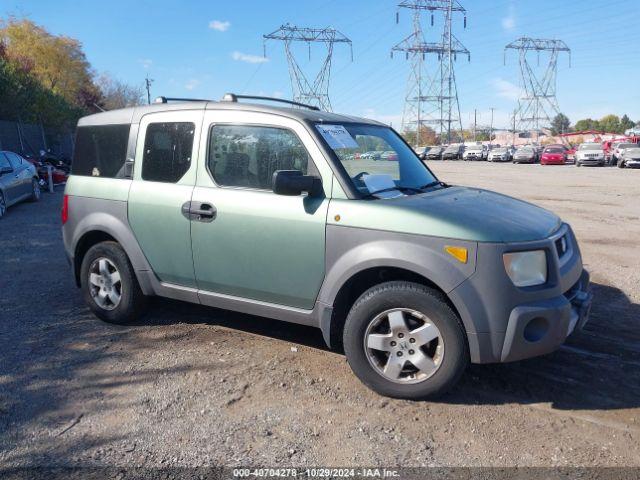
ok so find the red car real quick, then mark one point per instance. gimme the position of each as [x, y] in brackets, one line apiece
[553, 156]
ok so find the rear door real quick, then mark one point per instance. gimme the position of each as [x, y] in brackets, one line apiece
[21, 173]
[163, 182]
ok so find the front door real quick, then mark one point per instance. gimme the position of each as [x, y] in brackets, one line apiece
[10, 180]
[21, 174]
[259, 245]
[163, 181]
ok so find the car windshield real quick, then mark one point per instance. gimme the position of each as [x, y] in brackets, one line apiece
[554, 150]
[627, 145]
[359, 148]
[632, 151]
[499, 150]
[590, 146]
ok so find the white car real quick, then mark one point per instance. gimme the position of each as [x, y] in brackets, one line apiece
[475, 152]
[590, 154]
[499, 155]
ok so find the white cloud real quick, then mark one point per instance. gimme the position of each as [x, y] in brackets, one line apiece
[146, 63]
[506, 89]
[244, 57]
[509, 22]
[192, 84]
[219, 25]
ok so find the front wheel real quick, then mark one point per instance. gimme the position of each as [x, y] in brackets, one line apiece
[403, 340]
[620, 164]
[3, 205]
[109, 284]
[35, 190]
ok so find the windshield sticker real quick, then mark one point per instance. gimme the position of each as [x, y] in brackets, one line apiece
[379, 183]
[337, 136]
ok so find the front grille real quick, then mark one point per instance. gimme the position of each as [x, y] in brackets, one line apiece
[591, 155]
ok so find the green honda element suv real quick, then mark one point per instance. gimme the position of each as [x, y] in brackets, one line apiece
[278, 212]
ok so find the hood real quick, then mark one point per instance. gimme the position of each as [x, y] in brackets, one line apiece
[457, 212]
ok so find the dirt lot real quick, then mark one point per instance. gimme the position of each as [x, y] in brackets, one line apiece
[191, 386]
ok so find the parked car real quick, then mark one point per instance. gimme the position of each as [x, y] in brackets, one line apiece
[617, 151]
[499, 155]
[475, 152]
[420, 151]
[526, 154]
[553, 156]
[453, 152]
[630, 157]
[590, 154]
[18, 181]
[250, 208]
[59, 177]
[390, 156]
[435, 153]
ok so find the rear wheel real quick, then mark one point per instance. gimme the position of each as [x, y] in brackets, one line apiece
[109, 284]
[403, 340]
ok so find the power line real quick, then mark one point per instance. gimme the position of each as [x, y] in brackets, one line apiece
[432, 97]
[538, 101]
[314, 92]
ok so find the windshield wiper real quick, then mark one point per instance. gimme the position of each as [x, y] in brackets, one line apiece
[433, 184]
[391, 189]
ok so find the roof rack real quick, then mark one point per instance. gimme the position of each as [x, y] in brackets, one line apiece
[172, 99]
[232, 97]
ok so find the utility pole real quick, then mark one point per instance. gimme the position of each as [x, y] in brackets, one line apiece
[491, 129]
[432, 97]
[475, 125]
[513, 138]
[316, 92]
[538, 103]
[148, 81]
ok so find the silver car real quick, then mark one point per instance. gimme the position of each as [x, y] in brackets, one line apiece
[590, 154]
[525, 155]
[499, 155]
[18, 181]
[630, 157]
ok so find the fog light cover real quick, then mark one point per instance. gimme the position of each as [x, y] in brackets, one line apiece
[526, 269]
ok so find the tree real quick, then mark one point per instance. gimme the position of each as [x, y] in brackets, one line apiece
[427, 136]
[587, 124]
[610, 124]
[626, 123]
[560, 124]
[56, 62]
[116, 94]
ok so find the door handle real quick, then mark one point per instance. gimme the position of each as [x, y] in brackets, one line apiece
[199, 212]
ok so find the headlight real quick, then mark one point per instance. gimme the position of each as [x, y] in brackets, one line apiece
[526, 269]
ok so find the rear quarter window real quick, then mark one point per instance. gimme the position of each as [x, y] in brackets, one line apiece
[101, 151]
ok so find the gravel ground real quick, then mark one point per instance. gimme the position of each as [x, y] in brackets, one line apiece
[190, 386]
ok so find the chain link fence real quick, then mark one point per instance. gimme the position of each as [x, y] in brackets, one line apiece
[30, 139]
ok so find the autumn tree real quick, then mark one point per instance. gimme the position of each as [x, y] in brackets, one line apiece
[117, 94]
[56, 62]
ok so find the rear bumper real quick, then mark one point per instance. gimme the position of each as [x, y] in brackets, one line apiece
[541, 327]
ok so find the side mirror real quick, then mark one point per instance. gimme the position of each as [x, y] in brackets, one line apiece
[4, 170]
[292, 183]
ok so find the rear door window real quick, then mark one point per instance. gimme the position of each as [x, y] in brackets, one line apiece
[101, 151]
[168, 149]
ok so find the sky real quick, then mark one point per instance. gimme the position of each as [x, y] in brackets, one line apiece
[203, 49]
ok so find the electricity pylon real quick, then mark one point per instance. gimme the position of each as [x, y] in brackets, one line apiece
[316, 92]
[538, 103]
[432, 94]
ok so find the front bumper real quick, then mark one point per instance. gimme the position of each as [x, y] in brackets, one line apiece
[632, 163]
[506, 323]
[541, 327]
[591, 161]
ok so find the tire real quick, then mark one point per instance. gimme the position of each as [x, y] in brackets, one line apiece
[578, 164]
[620, 164]
[35, 191]
[446, 356]
[131, 303]
[3, 206]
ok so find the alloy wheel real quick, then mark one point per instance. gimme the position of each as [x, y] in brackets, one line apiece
[404, 346]
[3, 206]
[105, 284]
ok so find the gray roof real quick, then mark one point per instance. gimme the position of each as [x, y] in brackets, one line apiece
[134, 114]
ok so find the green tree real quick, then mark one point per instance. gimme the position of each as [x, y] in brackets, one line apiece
[610, 124]
[587, 124]
[560, 124]
[626, 123]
